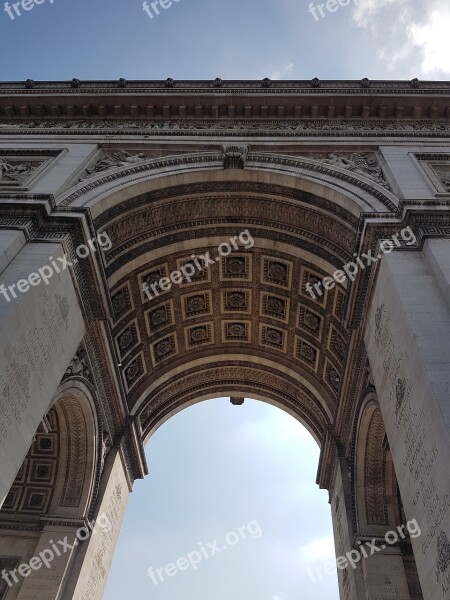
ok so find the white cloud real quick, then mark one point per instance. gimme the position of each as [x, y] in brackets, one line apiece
[278, 428]
[416, 42]
[367, 10]
[433, 39]
[282, 72]
[320, 550]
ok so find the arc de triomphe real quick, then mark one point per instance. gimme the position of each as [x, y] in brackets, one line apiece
[338, 311]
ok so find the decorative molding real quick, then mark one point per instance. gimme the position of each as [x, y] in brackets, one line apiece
[79, 366]
[234, 156]
[366, 165]
[375, 473]
[77, 452]
[241, 378]
[20, 168]
[244, 128]
[117, 159]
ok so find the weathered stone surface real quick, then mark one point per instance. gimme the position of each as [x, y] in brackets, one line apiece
[93, 363]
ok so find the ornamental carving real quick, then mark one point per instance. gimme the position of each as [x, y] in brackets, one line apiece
[443, 553]
[354, 127]
[444, 176]
[178, 391]
[234, 156]
[79, 366]
[14, 171]
[375, 472]
[7, 564]
[77, 452]
[120, 158]
[361, 164]
[18, 168]
[310, 321]
[236, 300]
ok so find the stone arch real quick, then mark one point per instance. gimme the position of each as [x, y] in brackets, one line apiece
[379, 508]
[354, 191]
[159, 223]
[68, 436]
[56, 486]
[242, 378]
[81, 449]
[376, 490]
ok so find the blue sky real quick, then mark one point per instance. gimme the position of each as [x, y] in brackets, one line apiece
[215, 467]
[232, 39]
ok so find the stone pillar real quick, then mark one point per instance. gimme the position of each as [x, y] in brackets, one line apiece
[351, 584]
[90, 567]
[44, 576]
[408, 345]
[41, 331]
[384, 574]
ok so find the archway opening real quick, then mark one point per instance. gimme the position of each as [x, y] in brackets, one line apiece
[379, 508]
[50, 500]
[230, 509]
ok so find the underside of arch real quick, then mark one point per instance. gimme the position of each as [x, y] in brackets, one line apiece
[205, 335]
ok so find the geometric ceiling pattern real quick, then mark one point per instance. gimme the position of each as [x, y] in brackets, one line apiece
[248, 309]
[34, 485]
[252, 301]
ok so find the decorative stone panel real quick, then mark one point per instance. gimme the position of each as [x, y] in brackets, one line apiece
[236, 331]
[332, 376]
[337, 344]
[196, 304]
[236, 266]
[310, 321]
[273, 337]
[152, 276]
[164, 348]
[20, 168]
[277, 272]
[127, 340]
[33, 487]
[122, 303]
[236, 300]
[199, 335]
[200, 275]
[134, 371]
[159, 317]
[437, 170]
[275, 306]
[313, 277]
[306, 353]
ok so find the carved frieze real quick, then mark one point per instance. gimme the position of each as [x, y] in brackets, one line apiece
[19, 168]
[437, 170]
[79, 367]
[365, 165]
[234, 156]
[287, 127]
[108, 162]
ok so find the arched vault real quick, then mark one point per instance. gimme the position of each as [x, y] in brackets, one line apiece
[245, 323]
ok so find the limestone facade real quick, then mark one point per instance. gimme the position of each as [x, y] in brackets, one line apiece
[303, 178]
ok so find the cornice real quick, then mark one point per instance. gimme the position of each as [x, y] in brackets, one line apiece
[219, 86]
[225, 100]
